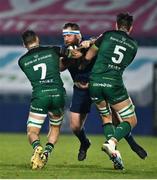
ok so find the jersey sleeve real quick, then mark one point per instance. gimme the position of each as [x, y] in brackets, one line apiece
[61, 51]
[19, 63]
[99, 40]
[135, 53]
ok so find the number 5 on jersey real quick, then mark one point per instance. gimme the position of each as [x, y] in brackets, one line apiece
[118, 51]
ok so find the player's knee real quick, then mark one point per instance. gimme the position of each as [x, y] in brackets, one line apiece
[133, 121]
[75, 127]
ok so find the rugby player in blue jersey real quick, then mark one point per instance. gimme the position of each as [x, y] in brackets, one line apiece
[81, 102]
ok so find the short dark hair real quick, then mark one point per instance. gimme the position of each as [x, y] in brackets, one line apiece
[124, 20]
[73, 26]
[29, 37]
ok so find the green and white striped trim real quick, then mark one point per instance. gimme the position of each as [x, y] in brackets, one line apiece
[56, 122]
[104, 111]
[127, 112]
[34, 122]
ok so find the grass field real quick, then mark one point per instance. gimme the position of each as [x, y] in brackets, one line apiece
[15, 153]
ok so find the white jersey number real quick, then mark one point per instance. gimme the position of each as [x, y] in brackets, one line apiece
[43, 69]
[119, 51]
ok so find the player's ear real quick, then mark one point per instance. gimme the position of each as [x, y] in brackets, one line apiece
[24, 45]
[130, 29]
[116, 26]
[79, 37]
[37, 39]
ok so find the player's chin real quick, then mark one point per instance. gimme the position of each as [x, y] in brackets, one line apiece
[68, 43]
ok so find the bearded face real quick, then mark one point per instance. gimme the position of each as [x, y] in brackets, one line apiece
[70, 37]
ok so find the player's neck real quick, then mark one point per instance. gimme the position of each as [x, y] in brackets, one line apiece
[33, 45]
[124, 30]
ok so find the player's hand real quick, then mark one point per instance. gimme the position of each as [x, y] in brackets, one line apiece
[76, 54]
[85, 44]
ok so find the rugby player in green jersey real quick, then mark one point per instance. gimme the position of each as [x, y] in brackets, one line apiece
[41, 66]
[81, 98]
[115, 50]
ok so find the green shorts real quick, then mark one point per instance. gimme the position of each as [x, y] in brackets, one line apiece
[48, 101]
[108, 90]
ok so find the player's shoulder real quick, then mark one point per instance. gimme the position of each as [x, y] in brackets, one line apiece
[21, 61]
[46, 47]
[110, 32]
[133, 41]
[22, 57]
[106, 33]
[52, 48]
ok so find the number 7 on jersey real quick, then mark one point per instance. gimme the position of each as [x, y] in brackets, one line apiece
[43, 69]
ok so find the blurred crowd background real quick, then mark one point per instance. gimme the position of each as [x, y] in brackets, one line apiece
[47, 17]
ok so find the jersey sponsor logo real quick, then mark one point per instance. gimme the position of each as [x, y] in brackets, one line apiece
[35, 108]
[111, 66]
[119, 127]
[54, 95]
[121, 41]
[47, 81]
[49, 90]
[102, 85]
[38, 59]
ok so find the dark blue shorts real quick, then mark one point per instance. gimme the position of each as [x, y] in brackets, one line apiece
[81, 101]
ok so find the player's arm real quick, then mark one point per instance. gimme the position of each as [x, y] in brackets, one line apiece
[67, 53]
[64, 63]
[62, 51]
[88, 43]
[65, 56]
[92, 52]
[87, 58]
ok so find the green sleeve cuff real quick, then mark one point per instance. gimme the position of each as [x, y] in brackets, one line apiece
[95, 47]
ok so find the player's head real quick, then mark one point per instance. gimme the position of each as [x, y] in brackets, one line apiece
[124, 22]
[71, 34]
[30, 39]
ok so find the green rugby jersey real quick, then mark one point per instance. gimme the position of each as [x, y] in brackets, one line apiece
[41, 66]
[116, 50]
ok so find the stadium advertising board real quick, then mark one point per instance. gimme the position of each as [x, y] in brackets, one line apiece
[93, 16]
